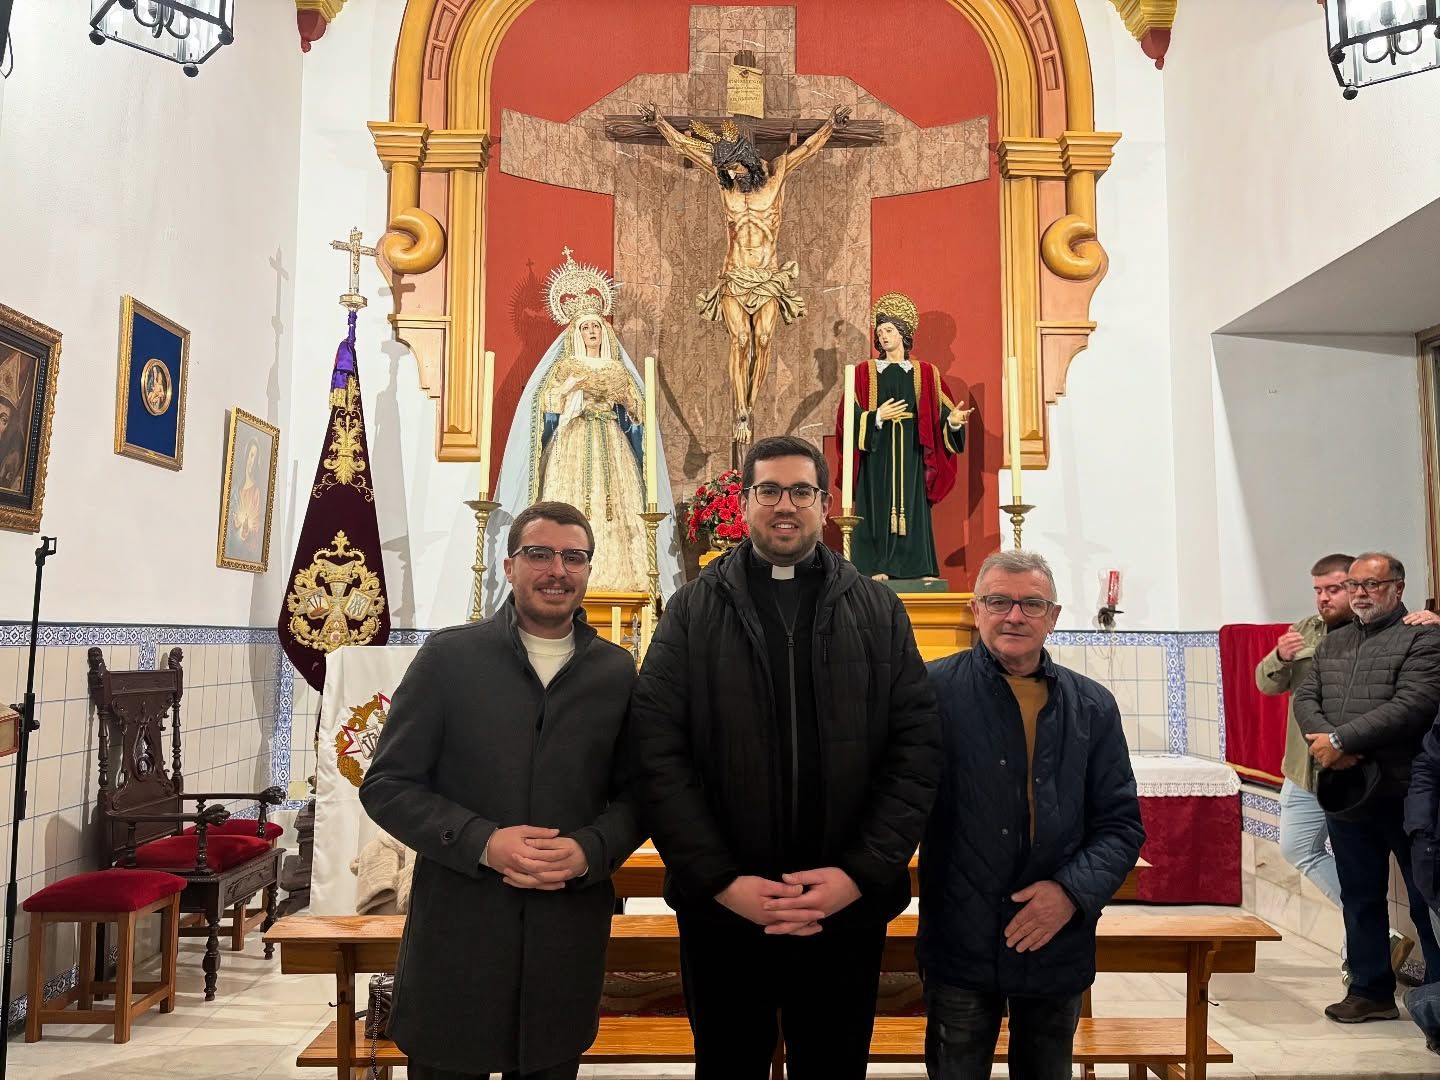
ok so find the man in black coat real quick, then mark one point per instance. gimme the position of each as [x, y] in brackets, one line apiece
[1036, 825]
[1371, 695]
[1422, 825]
[788, 754]
[499, 766]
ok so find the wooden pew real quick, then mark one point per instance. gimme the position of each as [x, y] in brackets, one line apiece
[643, 874]
[1196, 945]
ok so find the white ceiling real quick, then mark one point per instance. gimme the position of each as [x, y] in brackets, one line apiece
[1387, 285]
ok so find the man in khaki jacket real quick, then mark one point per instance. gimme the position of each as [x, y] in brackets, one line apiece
[1303, 833]
[1302, 822]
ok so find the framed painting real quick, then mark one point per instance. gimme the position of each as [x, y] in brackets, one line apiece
[247, 493]
[150, 387]
[29, 371]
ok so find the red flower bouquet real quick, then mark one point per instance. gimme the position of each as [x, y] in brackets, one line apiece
[715, 515]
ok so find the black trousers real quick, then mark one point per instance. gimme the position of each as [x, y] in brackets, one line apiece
[567, 1071]
[743, 989]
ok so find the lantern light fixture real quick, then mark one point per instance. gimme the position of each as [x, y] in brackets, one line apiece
[187, 32]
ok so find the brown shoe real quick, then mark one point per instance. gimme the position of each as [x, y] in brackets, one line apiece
[1357, 1010]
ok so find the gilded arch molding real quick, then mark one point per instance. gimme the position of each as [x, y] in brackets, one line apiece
[435, 146]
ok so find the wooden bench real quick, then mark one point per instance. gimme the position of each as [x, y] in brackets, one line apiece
[643, 874]
[1196, 945]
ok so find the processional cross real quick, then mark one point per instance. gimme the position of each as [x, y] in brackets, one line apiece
[353, 299]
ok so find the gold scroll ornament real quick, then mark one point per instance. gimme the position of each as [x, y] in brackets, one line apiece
[359, 737]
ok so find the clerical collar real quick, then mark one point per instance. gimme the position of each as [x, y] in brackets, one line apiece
[903, 365]
[784, 573]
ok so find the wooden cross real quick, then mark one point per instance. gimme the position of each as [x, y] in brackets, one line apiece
[353, 299]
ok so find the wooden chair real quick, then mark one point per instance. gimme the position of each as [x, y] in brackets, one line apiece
[141, 805]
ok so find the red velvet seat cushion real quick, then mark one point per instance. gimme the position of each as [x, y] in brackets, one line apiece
[106, 890]
[178, 852]
[242, 827]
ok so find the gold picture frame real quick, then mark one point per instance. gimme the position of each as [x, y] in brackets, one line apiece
[243, 539]
[151, 378]
[29, 377]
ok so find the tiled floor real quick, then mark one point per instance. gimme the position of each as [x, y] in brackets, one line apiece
[1271, 1021]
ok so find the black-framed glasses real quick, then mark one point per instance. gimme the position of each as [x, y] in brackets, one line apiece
[1369, 585]
[1032, 607]
[801, 495]
[542, 557]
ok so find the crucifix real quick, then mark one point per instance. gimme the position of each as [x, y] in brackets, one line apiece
[666, 234]
[353, 300]
[755, 290]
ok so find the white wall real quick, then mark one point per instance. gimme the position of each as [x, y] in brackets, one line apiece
[427, 533]
[1106, 499]
[120, 175]
[1271, 176]
[1317, 440]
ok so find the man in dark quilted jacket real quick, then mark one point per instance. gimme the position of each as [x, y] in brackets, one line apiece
[1371, 695]
[1035, 827]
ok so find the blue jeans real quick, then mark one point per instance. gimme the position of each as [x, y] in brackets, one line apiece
[963, 1025]
[1362, 858]
[1302, 839]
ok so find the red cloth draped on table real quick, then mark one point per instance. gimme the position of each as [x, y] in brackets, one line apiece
[1254, 722]
[1191, 811]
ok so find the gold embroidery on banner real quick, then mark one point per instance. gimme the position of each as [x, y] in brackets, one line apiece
[346, 459]
[357, 739]
[336, 600]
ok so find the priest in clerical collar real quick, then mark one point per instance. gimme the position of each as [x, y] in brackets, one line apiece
[786, 738]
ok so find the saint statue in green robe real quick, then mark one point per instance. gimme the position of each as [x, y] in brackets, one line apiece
[908, 432]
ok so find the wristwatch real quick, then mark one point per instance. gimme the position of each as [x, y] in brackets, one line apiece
[1335, 742]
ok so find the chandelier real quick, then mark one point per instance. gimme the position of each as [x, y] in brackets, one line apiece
[1374, 41]
[188, 32]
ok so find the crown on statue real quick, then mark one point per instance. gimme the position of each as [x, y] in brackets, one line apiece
[896, 306]
[10, 379]
[728, 132]
[575, 289]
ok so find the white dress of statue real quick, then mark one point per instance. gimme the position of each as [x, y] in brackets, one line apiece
[578, 437]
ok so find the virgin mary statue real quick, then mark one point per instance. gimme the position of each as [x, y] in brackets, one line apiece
[577, 437]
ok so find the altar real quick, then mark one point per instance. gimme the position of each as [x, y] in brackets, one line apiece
[1190, 808]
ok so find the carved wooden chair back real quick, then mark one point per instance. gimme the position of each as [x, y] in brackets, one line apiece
[131, 709]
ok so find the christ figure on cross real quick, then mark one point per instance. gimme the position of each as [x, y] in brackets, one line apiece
[755, 289]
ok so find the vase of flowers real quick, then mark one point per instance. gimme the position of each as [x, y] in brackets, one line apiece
[714, 518]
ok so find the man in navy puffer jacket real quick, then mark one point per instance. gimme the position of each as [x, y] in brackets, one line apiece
[1035, 827]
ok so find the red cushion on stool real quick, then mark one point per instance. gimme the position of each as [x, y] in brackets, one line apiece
[106, 890]
[242, 827]
[221, 852]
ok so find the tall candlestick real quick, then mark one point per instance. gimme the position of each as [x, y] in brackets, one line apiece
[847, 461]
[1012, 423]
[615, 623]
[652, 475]
[487, 412]
[647, 628]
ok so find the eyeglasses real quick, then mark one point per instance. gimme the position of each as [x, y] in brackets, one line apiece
[1369, 585]
[542, 558]
[801, 495]
[1031, 607]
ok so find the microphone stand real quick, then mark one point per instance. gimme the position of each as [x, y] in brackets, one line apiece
[28, 723]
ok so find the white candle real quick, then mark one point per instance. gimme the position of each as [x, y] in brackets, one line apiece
[615, 623]
[487, 411]
[652, 477]
[847, 457]
[647, 628]
[1012, 422]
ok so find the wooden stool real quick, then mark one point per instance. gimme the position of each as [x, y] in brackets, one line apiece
[104, 896]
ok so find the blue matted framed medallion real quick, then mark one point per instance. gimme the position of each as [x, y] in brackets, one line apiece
[29, 376]
[150, 386]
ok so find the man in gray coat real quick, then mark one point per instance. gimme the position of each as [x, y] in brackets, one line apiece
[500, 766]
[1371, 695]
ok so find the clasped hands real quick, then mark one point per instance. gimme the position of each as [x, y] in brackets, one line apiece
[794, 905]
[529, 857]
[1327, 756]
